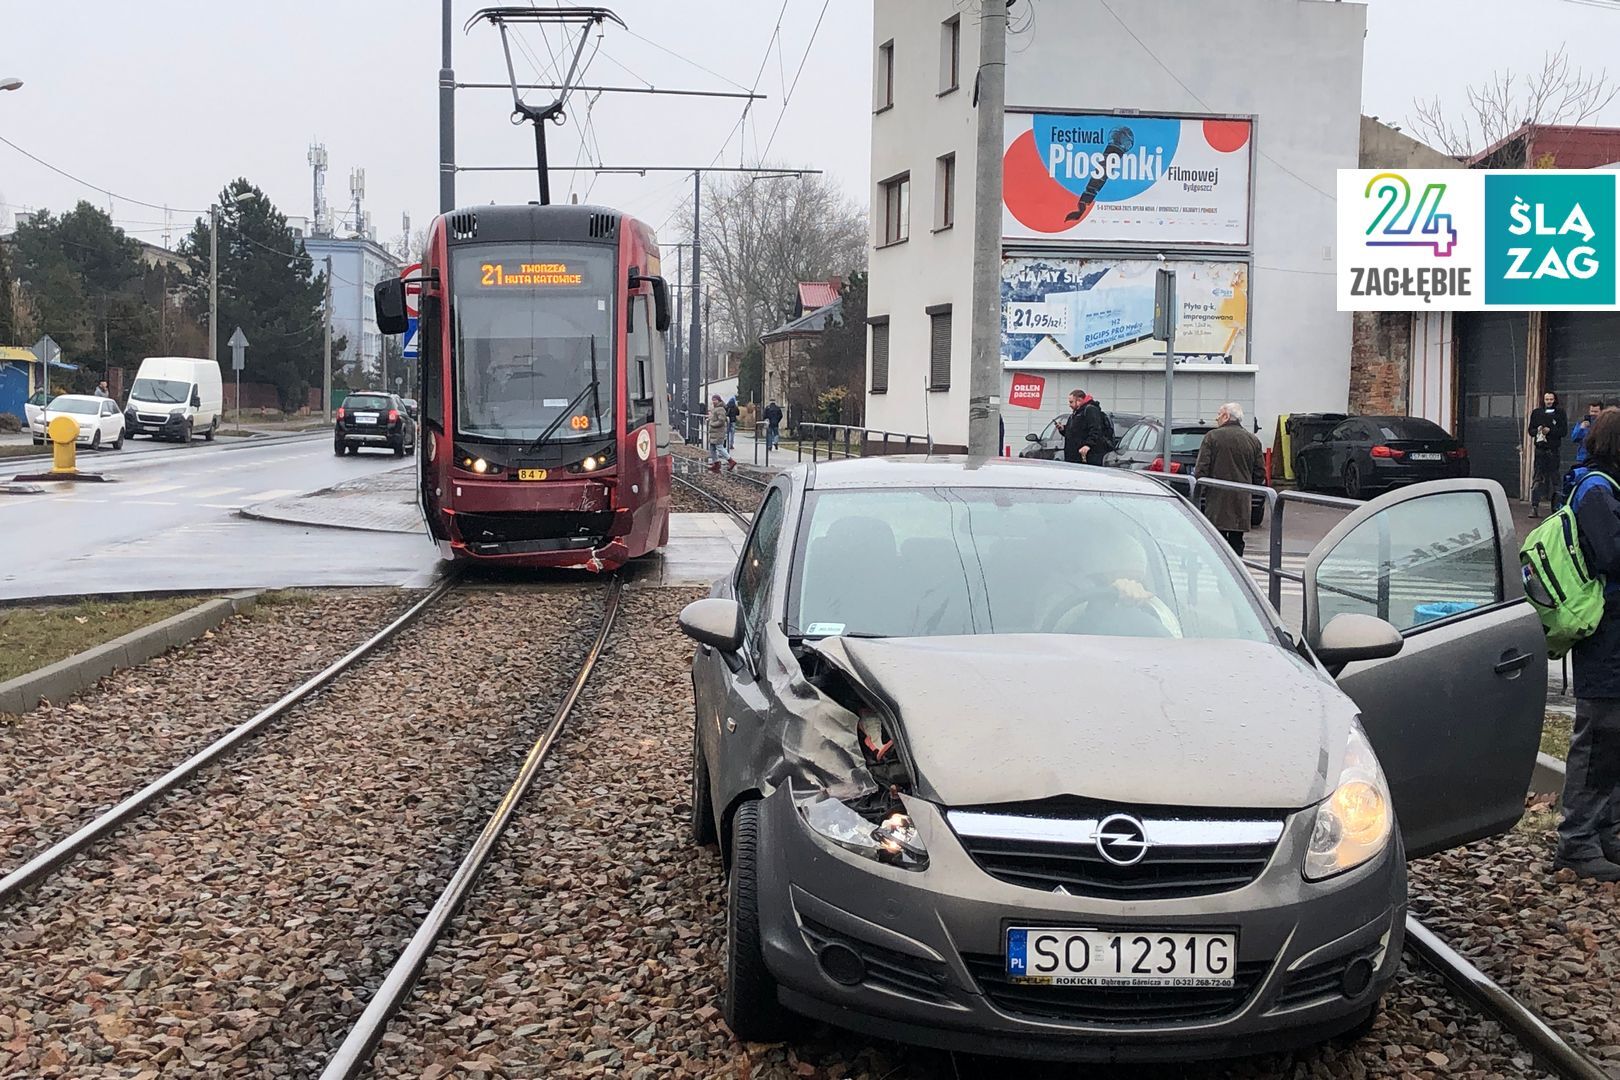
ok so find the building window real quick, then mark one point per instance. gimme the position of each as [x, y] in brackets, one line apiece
[884, 83]
[939, 347]
[944, 192]
[896, 209]
[880, 355]
[950, 54]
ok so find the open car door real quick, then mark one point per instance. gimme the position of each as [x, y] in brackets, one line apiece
[1456, 715]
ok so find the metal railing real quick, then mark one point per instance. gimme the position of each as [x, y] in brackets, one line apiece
[1277, 503]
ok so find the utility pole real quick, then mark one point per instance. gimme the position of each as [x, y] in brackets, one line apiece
[326, 319]
[213, 283]
[677, 372]
[694, 377]
[447, 119]
[984, 354]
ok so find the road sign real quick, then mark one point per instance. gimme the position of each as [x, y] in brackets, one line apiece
[48, 351]
[413, 308]
[238, 344]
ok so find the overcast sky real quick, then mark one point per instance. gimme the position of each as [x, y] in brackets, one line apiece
[165, 100]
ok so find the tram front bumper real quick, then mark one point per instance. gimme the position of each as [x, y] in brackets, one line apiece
[561, 523]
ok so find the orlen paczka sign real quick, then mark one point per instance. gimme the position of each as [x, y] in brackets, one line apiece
[1478, 240]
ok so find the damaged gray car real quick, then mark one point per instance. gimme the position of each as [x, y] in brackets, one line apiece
[1014, 757]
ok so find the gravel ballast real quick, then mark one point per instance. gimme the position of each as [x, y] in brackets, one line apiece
[592, 946]
[62, 763]
[238, 928]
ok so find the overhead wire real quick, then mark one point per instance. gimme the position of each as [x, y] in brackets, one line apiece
[788, 97]
[94, 187]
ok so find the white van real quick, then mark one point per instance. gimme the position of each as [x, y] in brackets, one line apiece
[175, 397]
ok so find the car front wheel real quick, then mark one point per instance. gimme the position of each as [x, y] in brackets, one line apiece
[118, 443]
[752, 1012]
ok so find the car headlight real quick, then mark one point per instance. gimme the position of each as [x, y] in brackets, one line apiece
[894, 840]
[1354, 823]
[177, 414]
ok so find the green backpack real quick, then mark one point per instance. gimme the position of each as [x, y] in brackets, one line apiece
[1560, 584]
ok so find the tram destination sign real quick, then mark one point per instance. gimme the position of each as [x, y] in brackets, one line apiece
[494, 275]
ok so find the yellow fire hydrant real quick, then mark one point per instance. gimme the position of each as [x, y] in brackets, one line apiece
[63, 431]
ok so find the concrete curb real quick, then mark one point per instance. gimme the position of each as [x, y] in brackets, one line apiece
[1548, 777]
[63, 679]
[254, 513]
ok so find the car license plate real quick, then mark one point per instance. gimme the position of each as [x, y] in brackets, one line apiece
[365, 418]
[531, 474]
[1426, 457]
[1071, 957]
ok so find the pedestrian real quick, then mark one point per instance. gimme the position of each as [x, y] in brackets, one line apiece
[1589, 834]
[1547, 428]
[1085, 432]
[773, 424]
[101, 389]
[1230, 452]
[732, 412]
[1578, 436]
[718, 451]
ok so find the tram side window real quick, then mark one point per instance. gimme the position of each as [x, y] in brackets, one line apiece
[640, 375]
[432, 406]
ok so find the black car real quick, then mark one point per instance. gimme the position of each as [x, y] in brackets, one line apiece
[1048, 445]
[411, 408]
[373, 419]
[1365, 455]
[1138, 448]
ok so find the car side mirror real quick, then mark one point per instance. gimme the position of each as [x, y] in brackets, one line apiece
[389, 298]
[714, 622]
[1349, 637]
[196, 400]
[1032, 437]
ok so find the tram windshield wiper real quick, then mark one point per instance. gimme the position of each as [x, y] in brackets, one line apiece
[589, 388]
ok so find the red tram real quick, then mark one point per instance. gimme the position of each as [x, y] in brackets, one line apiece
[544, 421]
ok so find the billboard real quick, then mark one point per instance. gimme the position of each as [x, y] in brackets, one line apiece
[1478, 240]
[1098, 178]
[1063, 310]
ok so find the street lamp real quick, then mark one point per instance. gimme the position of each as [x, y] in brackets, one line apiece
[213, 271]
[10, 82]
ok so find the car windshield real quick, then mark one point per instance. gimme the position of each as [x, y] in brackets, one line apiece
[163, 391]
[81, 406]
[933, 561]
[533, 338]
[367, 401]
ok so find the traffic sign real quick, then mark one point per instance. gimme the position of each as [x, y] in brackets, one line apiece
[238, 344]
[413, 308]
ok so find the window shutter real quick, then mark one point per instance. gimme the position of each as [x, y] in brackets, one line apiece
[880, 358]
[939, 351]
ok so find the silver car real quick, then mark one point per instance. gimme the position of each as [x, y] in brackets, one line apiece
[1014, 757]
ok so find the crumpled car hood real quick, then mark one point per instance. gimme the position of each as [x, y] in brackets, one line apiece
[1014, 717]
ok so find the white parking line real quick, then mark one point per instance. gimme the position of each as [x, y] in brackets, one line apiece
[271, 493]
[141, 491]
[214, 493]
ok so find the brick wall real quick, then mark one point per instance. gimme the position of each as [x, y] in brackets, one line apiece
[1380, 360]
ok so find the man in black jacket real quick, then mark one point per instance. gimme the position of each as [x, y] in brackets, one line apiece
[1085, 434]
[1546, 429]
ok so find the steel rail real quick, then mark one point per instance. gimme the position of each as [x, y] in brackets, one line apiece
[742, 519]
[353, 1056]
[110, 820]
[1539, 1038]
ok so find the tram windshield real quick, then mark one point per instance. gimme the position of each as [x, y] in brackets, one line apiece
[533, 341]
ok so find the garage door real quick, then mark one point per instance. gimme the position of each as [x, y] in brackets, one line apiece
[1583, 359]
[1491, 347]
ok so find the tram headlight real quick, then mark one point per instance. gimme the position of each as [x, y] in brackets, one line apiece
[476, 463]
[1355, 822]
[592, 462]
[589, 464]
[479, 465]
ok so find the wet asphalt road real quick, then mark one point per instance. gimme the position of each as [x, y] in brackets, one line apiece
[171, 523]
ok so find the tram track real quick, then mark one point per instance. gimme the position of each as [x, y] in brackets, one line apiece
[1485, 995]
[279, 890]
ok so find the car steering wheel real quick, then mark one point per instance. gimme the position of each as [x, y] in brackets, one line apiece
[1071, 600]
[1078, 618]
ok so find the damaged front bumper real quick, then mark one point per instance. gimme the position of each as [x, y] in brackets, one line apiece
[918, 954]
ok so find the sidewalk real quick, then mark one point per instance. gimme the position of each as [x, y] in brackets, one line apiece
[382, 502]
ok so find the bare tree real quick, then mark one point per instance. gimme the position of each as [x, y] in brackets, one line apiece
[762, 236]
[1559, 93]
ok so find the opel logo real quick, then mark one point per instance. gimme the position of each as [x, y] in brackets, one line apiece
[1121, 839]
